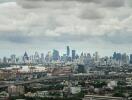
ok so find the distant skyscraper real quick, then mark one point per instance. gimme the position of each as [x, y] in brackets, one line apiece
[68, 51]
[42, 58]
[118, 56]
[56, 55]
[36, 57]
[114, 55]
[31, 59]
[124, 58]
[25, 57]
[5, 60]
[96, 56]
[13, 59]
[64, 58]
[73, 54]
[48, 57]
[130, 58]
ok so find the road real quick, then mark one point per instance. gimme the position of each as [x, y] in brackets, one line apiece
[71, 77]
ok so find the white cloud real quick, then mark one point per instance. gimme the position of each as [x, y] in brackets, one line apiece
[66, 21]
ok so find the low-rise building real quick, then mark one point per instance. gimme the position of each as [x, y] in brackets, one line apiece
[75, 90]
[42, 94]
[129, 81]
[16, 90]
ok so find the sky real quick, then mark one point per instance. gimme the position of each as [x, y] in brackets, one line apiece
[85, 25]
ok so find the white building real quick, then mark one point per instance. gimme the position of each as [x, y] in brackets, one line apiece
[75, 90]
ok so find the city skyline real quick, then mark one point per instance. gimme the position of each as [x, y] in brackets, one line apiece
[65, 49]
[68, 51]
[62, 50]
[88, 25]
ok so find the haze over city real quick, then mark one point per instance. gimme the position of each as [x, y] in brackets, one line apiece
[65, 49]
[86, 25]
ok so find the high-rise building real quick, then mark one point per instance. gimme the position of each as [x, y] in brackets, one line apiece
[25, 57]
[130, 58]
[68, 51]
[36, 57]
[125, 58]
[56, 55]
[114, 55]
[73, 54]
[31, 59]
[48, 57]
[96, 56]
[13, 59]
[42, 58]
[64, 58]
[118, 56]
[5, 60]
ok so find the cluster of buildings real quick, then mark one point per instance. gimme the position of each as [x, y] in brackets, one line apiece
[66, 75]
[117, 59]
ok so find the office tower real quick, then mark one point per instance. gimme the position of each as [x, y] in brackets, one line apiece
[36, 57]
[96, 56]
[130, 58]
[77, 56]
[55, 55]
[31, 59]
[42, 58]
[118, 56]
[13, 59]
[125, 58]
[73, 54]
[114, 55]
[0, 60]
[5, 60]
[68, 51]
[48, 57]
[87, 59]
[64, 57]
[25, 57]
[20, 60]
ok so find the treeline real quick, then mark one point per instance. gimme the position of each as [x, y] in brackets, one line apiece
[3, 65]
[29, 98]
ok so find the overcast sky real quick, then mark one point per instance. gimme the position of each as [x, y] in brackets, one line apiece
[84, 25]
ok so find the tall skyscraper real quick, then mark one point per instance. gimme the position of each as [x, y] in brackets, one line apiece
[48, 57]
[96, 56]
[114, 55]
[13, 59]
[68, 51]
[36, 57]
[73, 54]
[5, 60]
[25, 57]
[56, 55]
[130, 58]
[124, 58]
[42, 58]
[118, 56]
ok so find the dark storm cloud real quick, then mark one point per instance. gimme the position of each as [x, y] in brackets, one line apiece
[103, 3]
